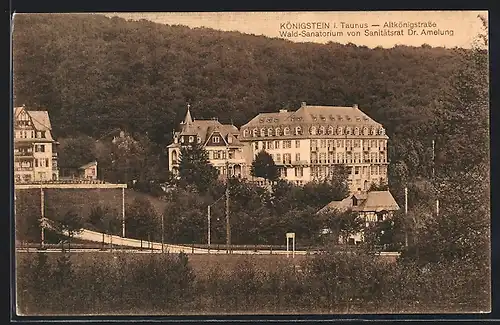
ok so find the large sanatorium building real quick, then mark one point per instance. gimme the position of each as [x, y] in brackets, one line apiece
[305, 144]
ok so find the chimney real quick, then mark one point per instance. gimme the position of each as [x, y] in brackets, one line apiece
[355, 106]
[303, 104]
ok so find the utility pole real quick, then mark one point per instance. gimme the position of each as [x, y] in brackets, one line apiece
[228, 224]
[433, 179]
[162, 233]
[406, 215]
[123, 212]
[208, 230]
[42, 216]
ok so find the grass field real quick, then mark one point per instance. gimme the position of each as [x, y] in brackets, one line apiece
[201, 263]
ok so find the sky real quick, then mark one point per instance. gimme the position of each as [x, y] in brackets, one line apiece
[369, 28]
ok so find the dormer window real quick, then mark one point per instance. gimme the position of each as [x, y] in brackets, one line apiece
[262, 132]
[245, 133]
[229, 139]
[198, 139]
[356, 131]
[176, 139]
[348, 130]
[182, 139]
[330, 130]
[254, 132]
[381, 131]
[365, 131]
[339, 130]
[216, 139]
[298, 130]
[322, 130]
[312, 130]
[270, 132]
[286, 131]
[277, 132]
[191, 139]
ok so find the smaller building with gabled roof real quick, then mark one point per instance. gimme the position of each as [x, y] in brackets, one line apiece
[221, 141]
[372, 206]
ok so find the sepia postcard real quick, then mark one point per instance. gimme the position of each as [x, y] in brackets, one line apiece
[251, 163]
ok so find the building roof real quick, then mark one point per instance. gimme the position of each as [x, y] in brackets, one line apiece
[87, 165]
[319, 116]
[374, 201]
[205, 128]
[40, 119]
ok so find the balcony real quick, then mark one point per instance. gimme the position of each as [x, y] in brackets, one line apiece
[54, 154]
[299, 162]
[23, 169]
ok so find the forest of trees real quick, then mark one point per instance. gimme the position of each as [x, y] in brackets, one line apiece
[95, 74]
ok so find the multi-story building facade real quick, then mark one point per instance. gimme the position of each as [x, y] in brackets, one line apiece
[221, 141]
[307, 143]
[35, 157]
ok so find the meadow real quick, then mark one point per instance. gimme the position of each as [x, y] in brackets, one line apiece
[168, 284]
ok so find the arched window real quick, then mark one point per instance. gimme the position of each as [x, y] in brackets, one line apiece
[365, 131]
[381, 131]
[298, 130]
[176, 139]
[330, 130]
[270, 132]
[245, 133]
[339, 130]
[277, 131]
[174, 157]
[373, 131]
[262, 132]
[254, 132]
[348, 130]
[199, 138]
[313, 130]
[322, 130]
[286, 131]
[356, 131]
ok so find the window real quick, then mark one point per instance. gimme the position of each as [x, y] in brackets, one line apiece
[245, 133]
[312, 130]
[287, 144]
[330, 130]
[198, 139]
[314, 157]
[256, 145]
[254, 132]
[191, 139]
[356, 170]
[272, 156]
[36, 162]
[322, 157]
[286, 131]
[298, 130]
[284, 172]
[278, 157]
[287, 158]
[357, 157]
[330, 144]
[339, 130]
[223, 154]
[216, 139]
[43, 134]
[277, 131]
[322, 130]
[231, 154]
[38, 134]
[340, 143]
[262, 132]
[277, 144]
[323, 143]
[340, 158]
[348, 144]
[270, 145]
[348, 130]
[314, 143]
[297, 157]
[269, 132]
[297, 143]
[356, 131]
[299, 171]
[356, 143]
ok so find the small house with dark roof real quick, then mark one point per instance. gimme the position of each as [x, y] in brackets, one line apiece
[221, 141]
[373, 206]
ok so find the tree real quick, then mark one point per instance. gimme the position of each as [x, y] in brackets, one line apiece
[345, 224]
[71, 223]
[264, 166]
[142, 219]
[195, 169]
[99, 217]
[76, 151]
